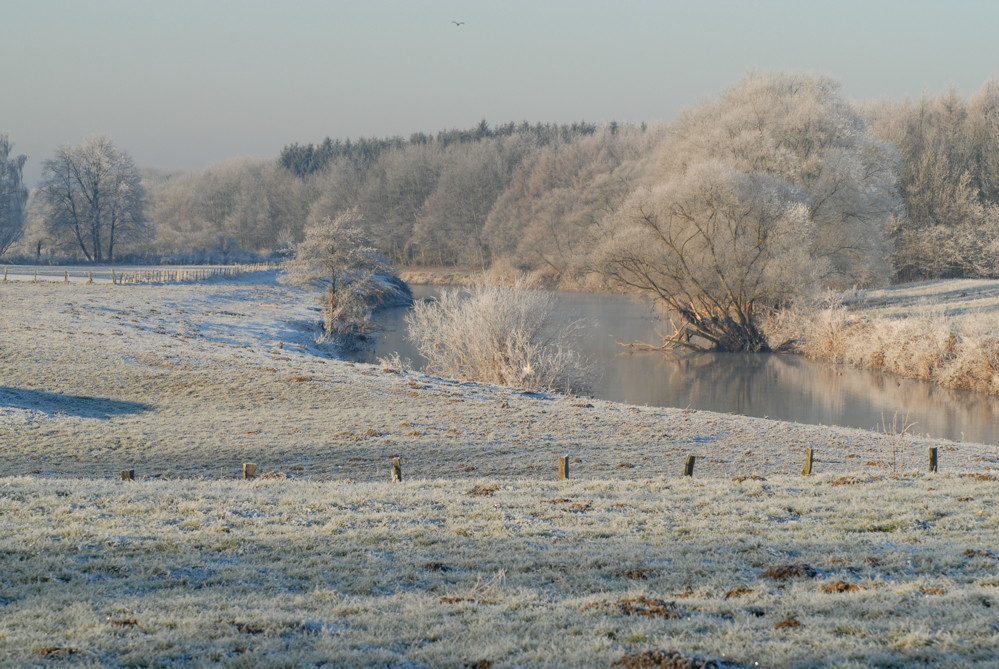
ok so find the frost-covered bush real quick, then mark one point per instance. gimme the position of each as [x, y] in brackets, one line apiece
[956, 352]
[503, 334]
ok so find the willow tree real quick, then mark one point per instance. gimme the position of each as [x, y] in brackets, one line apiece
[774, 190]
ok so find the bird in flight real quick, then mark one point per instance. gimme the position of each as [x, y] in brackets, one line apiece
[458, 23]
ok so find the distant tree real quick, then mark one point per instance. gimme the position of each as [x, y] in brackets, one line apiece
[451, 227]
[13, 195]
[549, 216]
[776, 189]
[242, 208]
[950, 161]
[335, 256]
[93, 194]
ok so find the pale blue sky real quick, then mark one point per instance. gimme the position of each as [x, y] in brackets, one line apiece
[187, 83]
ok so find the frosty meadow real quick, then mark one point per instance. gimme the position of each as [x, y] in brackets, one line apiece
[480, 557]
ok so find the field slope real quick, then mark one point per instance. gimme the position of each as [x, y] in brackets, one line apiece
[479, 557]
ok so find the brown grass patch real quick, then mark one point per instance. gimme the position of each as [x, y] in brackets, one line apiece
[636, 574]
[934, 591]
[975, 553]
[980, 477]
[56, 652]
[641, 606]
[125, 623]
[787, 623]
[247, 628]
[853, 480]
[840, 586]
[667, 659]
[483, 491]
[737, 592]
[752, 477]
[438, 566]
[784, 572]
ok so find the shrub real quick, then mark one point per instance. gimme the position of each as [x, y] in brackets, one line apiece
[494, 333]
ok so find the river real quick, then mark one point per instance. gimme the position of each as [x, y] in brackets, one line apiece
[778, 386]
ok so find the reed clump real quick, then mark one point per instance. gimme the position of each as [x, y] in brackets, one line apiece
[959, 352]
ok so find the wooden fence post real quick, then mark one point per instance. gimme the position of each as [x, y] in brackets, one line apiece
[933, 460]
[4, 273]
[128, 475]
[66, 280]
[396, 470]
[688, 468]
[249, 471]
[563, 468]
[807, 471]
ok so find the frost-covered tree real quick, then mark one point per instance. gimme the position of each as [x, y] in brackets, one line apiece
[13, 195]
[777, 188]
[94, 195]
[950, 162]
[336, 257]
[239, 208]
[549, 216]
[716, 246]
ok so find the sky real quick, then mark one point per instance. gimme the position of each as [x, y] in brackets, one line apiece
[183, 84]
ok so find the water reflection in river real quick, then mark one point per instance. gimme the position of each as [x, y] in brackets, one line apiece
[776, 386]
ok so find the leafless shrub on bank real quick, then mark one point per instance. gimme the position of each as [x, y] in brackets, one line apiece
[503, 334]
[897, 445]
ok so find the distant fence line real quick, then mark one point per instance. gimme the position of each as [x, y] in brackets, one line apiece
[192, 274]
[133, 276]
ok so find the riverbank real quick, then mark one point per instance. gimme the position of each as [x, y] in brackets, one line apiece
[945, 332]
[192, 380]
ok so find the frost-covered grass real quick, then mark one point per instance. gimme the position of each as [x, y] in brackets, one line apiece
[946, 332]
[513, 572]
[479, 556]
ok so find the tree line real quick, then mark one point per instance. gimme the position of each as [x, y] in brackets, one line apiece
[777, 185]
